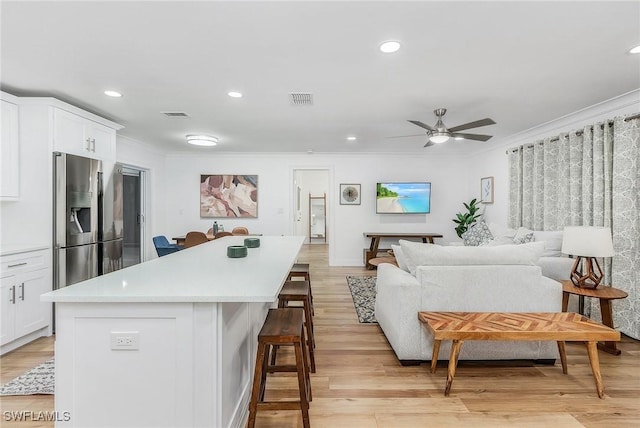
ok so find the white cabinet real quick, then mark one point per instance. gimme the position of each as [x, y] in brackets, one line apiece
[83, 137]
[24, 277]
[10, 155]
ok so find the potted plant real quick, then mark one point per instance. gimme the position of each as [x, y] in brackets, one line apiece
[465, 220]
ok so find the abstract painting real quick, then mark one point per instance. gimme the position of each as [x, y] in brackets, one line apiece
[228, 196]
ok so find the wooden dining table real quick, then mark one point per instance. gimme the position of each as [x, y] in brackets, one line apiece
[210, 236]
[180, 239]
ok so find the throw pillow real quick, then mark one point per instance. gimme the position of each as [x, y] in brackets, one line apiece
[523, 236]
[478, 234]
[499, 231]
[552, 242]
[400, 257]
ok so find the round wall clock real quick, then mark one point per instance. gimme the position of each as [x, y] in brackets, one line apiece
[349, 194]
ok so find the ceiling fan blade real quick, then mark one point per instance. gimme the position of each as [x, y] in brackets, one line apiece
[477, 137]
[421, 125]
[476, 124]
[405, 136]
[429, 144]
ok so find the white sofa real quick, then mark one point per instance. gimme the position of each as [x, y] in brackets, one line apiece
[467, 279]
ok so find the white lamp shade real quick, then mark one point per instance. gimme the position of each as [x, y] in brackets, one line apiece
[587, 241]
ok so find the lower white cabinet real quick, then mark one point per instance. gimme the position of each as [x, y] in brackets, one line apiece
[23, 317]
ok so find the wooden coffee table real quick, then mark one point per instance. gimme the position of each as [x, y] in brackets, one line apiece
[561, 327]
[606, 295]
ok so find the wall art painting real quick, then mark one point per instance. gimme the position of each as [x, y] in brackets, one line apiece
[228, 196]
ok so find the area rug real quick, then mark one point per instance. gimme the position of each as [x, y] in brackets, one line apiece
[363, 292]
[39, 380]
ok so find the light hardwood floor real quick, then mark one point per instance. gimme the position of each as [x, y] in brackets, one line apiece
[360, 384]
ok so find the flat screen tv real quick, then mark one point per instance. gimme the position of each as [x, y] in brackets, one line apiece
[403, 198]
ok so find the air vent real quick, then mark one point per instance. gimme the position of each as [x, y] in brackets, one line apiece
[177, 114]
[301, 98]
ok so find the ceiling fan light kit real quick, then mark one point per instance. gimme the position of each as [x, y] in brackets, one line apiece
[439, 133]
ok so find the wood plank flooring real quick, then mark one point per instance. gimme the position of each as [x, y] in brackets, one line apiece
[360, 384]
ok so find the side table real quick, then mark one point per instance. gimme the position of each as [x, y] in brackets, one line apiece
[606, 295]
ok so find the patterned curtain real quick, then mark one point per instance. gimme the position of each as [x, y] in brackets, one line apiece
[587, 178]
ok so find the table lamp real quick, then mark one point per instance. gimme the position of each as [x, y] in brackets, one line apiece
[587, 242]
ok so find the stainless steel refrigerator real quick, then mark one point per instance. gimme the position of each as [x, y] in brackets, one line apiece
[87, 213]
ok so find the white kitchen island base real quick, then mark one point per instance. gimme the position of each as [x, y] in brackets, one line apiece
[129, 357]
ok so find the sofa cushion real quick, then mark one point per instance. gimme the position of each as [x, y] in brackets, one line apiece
[552, 242]
[478, 234]
[499, 231]
[401, 259]
[419, 254]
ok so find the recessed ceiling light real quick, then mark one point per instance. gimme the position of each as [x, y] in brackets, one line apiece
[459, 138]
[114, 94]
[202, 140]
[635, 50]
[351, 138]
[389, 46]
[234, 94]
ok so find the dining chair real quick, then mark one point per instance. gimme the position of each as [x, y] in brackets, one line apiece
[163, 247]
[240, 230]
[221, 234]
[195, 238]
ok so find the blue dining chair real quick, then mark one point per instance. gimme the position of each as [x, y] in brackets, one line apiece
[163, 247]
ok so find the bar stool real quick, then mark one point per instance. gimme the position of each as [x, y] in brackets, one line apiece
[302, 270]
[282, 326]
[299, 291]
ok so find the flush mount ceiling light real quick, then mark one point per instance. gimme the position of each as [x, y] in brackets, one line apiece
[114, 94]
[202, 140]
[635, 50]
[234, 94]
[389, 46]
[351, 138]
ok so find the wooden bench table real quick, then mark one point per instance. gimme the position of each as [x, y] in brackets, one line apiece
[561, 327]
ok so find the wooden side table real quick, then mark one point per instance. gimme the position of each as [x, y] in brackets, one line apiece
[606, 295]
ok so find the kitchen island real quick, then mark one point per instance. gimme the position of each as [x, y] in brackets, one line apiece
[170, 342]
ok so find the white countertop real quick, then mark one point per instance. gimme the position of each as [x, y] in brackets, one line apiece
[199, 274]
[9, 249]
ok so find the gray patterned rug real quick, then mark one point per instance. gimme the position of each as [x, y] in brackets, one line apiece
[363, 292]
[39, 380]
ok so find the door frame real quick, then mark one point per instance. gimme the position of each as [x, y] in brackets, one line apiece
[330, 227]
[144, 224]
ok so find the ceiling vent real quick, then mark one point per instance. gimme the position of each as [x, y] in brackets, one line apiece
[178, 114]
[301, 98]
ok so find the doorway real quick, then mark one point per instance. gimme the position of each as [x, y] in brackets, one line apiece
[311, 186]
[133, 216]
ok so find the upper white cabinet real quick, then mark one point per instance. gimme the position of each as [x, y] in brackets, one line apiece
[83, 137]
[10, 152]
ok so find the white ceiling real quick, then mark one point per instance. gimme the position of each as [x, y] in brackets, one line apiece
[520, 63]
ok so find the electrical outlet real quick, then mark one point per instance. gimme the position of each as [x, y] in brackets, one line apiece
[125, 340]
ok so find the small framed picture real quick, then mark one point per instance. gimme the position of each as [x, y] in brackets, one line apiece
[349, 194]
[486, 190]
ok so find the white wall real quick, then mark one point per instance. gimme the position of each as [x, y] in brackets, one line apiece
[276, 203]
[145, 157]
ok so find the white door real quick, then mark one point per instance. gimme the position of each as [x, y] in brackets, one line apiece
[32, 314]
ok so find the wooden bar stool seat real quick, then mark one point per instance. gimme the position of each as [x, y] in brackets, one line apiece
[299, 291]
[302, 270]
[283, 326]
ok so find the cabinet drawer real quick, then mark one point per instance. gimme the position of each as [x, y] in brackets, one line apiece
[16, 263]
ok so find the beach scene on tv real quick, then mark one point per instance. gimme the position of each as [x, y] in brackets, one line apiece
[403, 198]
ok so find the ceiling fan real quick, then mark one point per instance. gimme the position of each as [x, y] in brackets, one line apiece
[440, 133]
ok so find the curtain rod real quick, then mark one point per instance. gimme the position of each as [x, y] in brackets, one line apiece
[610, 123]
